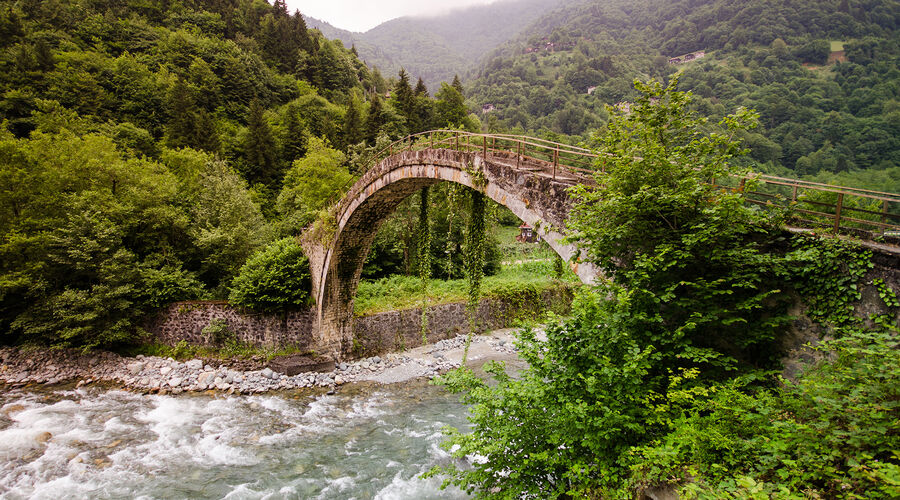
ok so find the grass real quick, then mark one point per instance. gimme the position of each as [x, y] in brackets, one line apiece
[405, 292]
[512, 250]
[837, 46]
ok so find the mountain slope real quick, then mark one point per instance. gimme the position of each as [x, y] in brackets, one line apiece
[436, 48]
[822, 113]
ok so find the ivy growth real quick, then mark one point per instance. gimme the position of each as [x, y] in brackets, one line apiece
[424, 258]
[475, 241]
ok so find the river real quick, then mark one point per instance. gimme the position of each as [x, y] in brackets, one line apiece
[366, 441]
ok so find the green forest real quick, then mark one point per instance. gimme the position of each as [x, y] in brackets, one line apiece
[155, 151]
[832, 118]
[149, 149]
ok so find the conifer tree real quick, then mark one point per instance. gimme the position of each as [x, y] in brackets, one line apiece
[259, 148]
[404, 100]
[294, 140]
[458, 85]
[353, 124]
[421, 90]
[375, 120]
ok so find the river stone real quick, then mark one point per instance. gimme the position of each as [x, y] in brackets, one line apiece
[194, 364]
[175, 382]
[204, 377]
[299, 363]
[165, 370]
[135, 368]
[267, 373]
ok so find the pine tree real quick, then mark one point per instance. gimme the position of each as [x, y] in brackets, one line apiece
[183, 109]
[353, 133]
[405, 100]
[376, 119]
[421, 90]
[259, 148]
[294, 140]
[458, 85]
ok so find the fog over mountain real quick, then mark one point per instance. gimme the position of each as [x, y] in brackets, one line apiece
[437, 47]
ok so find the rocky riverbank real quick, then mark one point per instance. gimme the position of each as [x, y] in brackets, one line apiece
[150, 374]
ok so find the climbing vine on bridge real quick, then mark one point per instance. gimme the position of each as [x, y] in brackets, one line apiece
[475, 241]
[424, 260]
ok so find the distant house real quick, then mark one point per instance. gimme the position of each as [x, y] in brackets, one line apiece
[693, 56]
[487, 108]
[591, 90]
[527, 234]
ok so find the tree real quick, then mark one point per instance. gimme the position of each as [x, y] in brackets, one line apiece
[404, 100]
[353, 123]
[685, 271]
[295, 136]
[450, 108]
[309, 184]
[458, 85]
[375, 119]
[275, 279]
[228, 226]
[420, 90]
[259, 157]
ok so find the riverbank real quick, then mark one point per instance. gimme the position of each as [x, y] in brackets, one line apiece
[150, 374]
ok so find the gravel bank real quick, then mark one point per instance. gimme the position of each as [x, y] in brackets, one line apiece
[167, 376]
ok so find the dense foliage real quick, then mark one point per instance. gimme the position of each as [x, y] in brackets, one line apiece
[275, 279]
[831, 116]
[149, 149]
[664, 373]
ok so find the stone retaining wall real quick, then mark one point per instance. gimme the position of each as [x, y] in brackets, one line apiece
[186, 321]
[397, 330]
[374, 334]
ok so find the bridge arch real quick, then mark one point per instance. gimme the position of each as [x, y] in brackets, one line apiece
[533, 195]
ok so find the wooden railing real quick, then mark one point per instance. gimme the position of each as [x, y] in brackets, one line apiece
[863, 212]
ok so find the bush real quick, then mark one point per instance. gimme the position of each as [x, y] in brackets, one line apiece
[275, 279]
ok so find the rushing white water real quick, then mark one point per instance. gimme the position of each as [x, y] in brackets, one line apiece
[113, 444]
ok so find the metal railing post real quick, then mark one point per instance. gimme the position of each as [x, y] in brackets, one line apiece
[837, 216]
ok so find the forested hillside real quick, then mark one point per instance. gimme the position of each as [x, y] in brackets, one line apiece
[823, 75]
[148, 149]
[436, 48]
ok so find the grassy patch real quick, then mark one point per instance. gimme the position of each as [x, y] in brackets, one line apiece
[837, 46]
[404, 292]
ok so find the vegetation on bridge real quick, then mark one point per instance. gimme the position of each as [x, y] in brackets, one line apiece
[667, 373]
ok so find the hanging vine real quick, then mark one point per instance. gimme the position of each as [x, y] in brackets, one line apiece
[424, 260]
[453, 197]
[475, 240]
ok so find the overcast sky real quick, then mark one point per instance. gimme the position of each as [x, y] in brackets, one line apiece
[363, 15]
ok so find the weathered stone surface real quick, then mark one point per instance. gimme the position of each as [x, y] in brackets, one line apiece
[186, 321]
[301, 363]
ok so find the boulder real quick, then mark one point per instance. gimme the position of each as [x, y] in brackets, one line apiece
[300, 363]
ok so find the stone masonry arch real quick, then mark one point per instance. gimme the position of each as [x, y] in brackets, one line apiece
[532, 193]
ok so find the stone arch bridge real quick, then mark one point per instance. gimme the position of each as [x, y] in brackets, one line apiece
[524, 174]
[531, 188]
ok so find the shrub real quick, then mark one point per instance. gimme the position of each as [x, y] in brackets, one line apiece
[275, 279]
